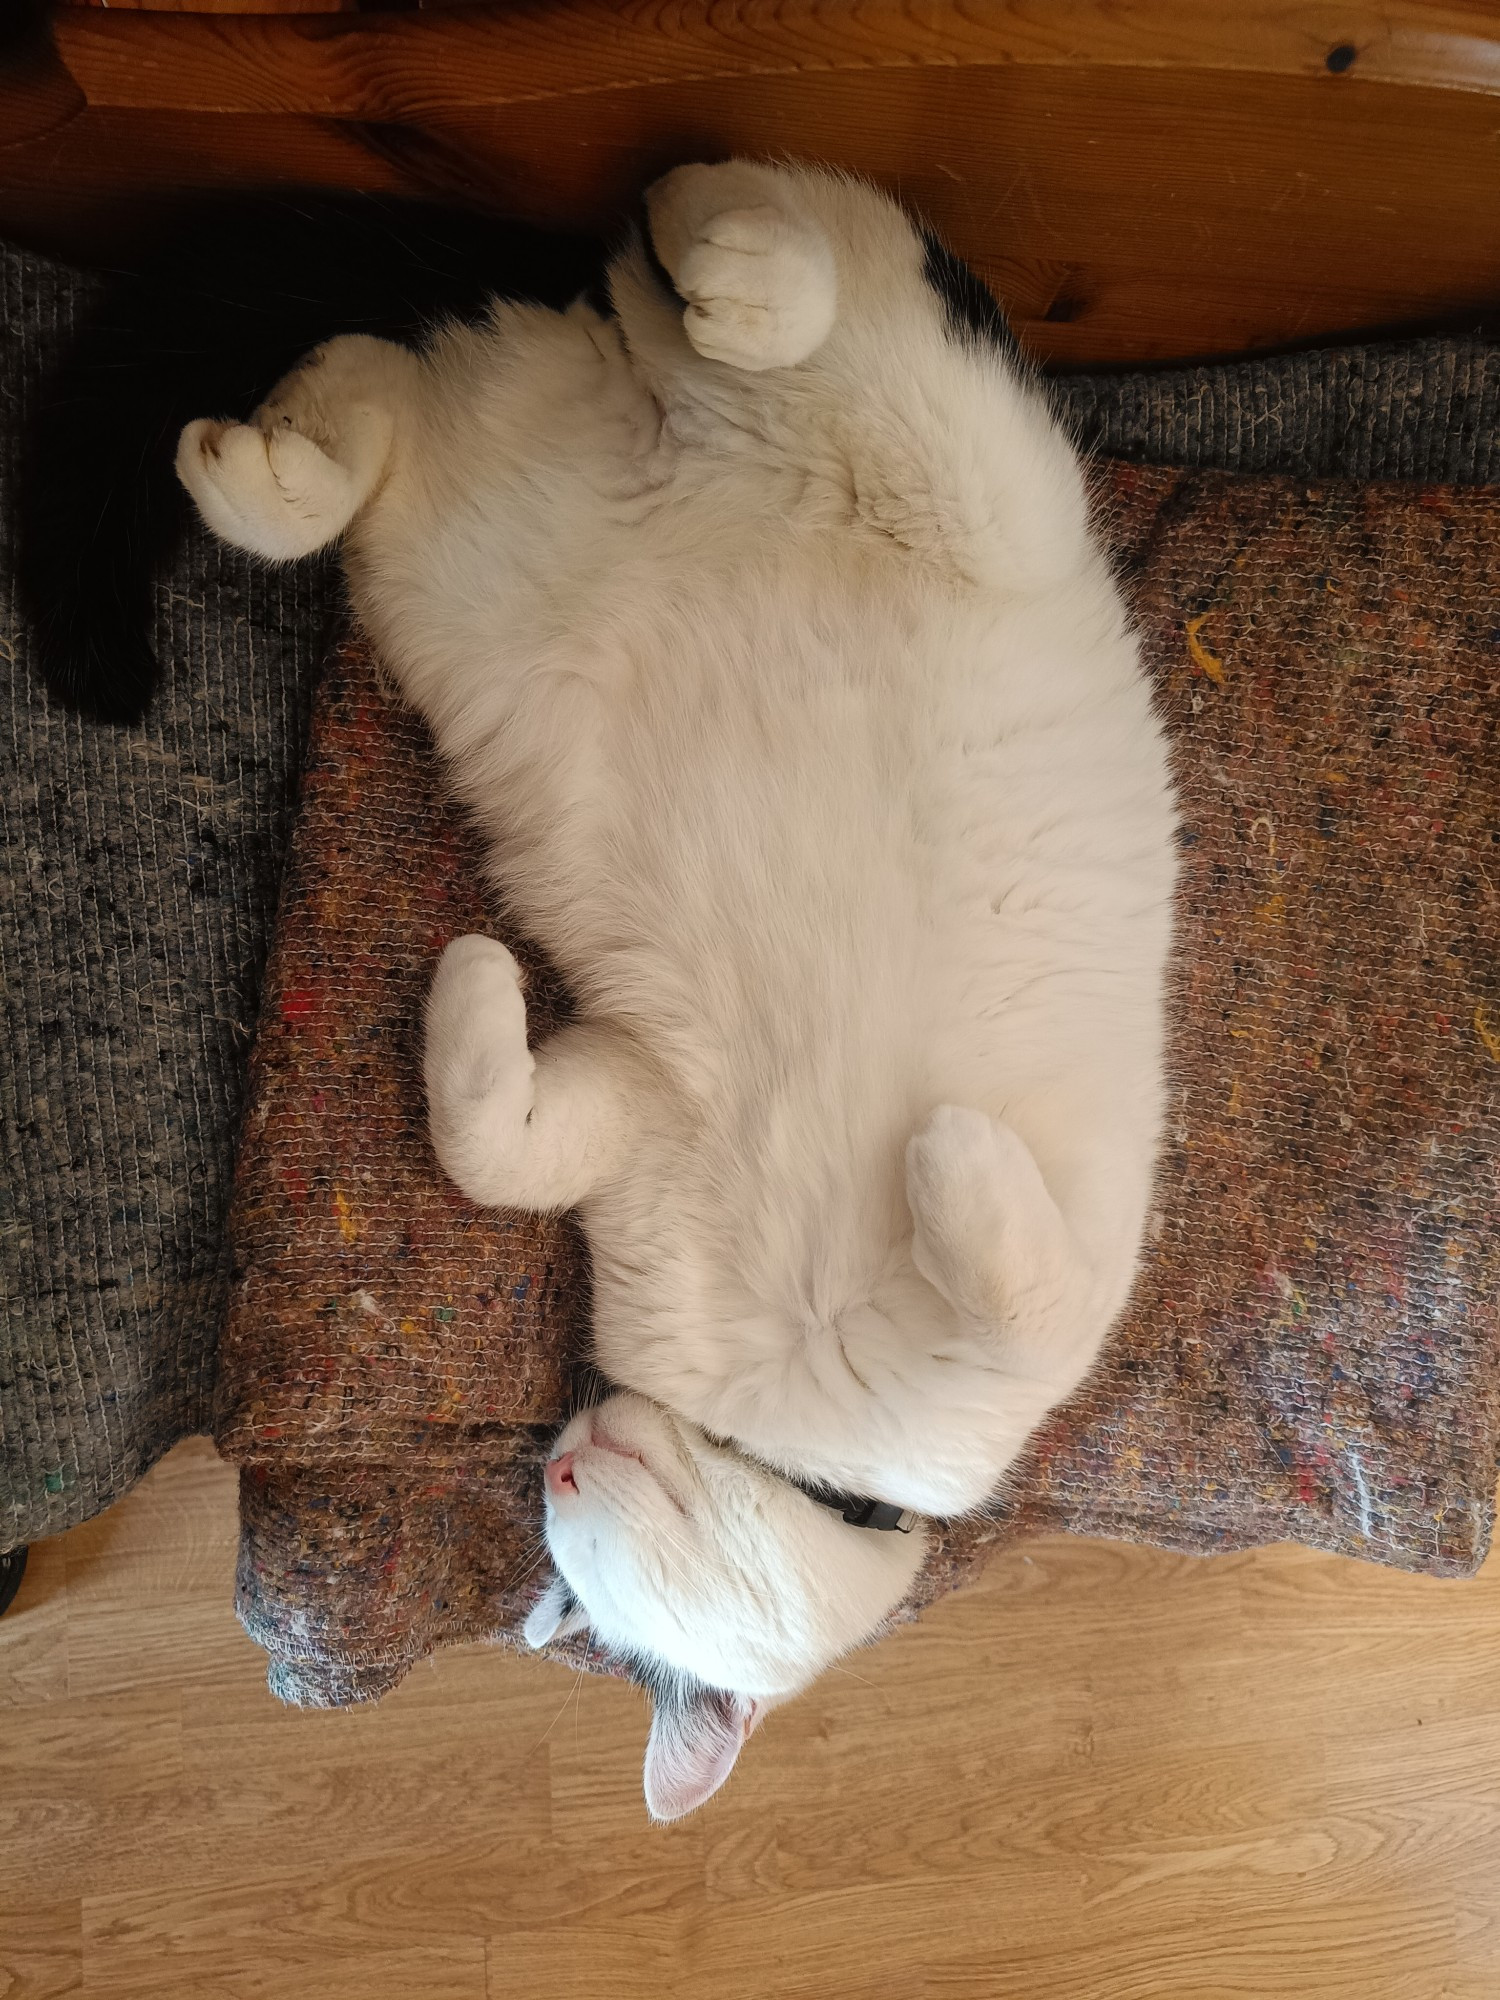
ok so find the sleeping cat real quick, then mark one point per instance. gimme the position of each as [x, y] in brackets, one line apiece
[758, 620]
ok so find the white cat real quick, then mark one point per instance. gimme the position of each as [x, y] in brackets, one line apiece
[761, 628]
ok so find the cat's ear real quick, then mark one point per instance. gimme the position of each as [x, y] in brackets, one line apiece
[696, 1735]
[557, 1614]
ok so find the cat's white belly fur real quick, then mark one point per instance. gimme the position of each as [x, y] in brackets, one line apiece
[841, 842]
[803, 719]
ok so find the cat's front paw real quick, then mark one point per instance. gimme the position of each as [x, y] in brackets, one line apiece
[478, 1069]
[758, 277]
[985, 1231]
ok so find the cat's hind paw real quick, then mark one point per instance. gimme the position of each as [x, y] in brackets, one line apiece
[291, 480]
[759, 281]
[272, 492]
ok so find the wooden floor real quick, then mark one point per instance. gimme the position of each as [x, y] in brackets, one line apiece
[1107, 1774]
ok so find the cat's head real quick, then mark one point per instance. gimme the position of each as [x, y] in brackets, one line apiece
[726, 1588]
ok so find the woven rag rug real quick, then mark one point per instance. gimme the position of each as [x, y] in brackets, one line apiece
[1313, 1349]
[139, 872]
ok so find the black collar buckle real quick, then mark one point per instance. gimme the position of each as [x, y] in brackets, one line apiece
[861, 1512]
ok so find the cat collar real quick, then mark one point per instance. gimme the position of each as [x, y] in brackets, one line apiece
[855, 1508]
[859, 1511]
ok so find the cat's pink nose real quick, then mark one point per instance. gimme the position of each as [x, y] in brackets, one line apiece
[560, 1478]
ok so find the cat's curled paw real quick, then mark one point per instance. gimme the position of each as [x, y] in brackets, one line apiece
[292, 479]
[986, 1232]
[478, 1069]
[271, 491]
[758, 278]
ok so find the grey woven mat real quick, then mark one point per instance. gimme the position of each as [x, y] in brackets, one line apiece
[140, 867]
[137, 883]
[1422, 409]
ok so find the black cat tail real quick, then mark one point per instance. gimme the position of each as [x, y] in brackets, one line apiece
[96, 515]
[204, 325]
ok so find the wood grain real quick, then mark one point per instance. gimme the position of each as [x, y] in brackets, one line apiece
[1123, 215]
[41, 1950]
[224, 6]
[1120, 215]
[408, 66]
[1140, 182]
[1105, 1774]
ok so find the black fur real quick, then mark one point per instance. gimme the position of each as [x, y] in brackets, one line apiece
[972, 310]
[204, 325]
[676, 1694]
[654, 264]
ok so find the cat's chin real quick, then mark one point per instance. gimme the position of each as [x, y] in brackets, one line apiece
[679, 1551]
[718, 1586]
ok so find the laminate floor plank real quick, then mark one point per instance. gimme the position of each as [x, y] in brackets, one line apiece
[1106, 1773]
